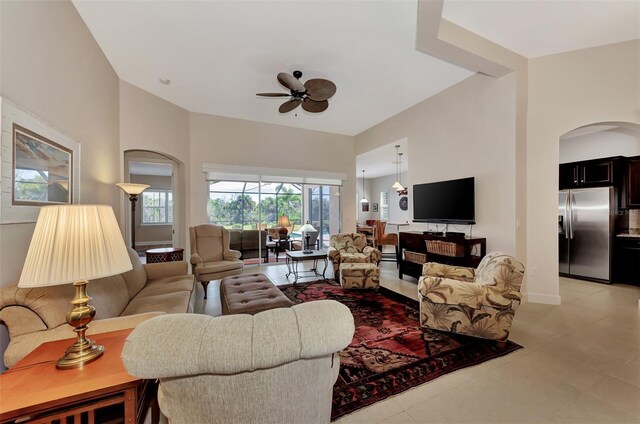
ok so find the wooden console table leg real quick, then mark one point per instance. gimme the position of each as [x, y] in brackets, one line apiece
[130, 406]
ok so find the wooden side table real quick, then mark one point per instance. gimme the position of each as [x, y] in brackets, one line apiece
[34, 390]
[164, 254]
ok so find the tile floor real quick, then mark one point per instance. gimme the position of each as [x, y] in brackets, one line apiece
[580, 363]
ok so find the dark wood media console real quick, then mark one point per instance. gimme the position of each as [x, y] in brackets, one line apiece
[468, 251]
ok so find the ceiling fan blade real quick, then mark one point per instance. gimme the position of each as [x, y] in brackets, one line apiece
[291, 82]
[313, 106]
[288, 106]
[319, 89]
[273, 94]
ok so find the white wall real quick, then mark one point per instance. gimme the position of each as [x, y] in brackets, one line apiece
[466, 130]
[52, 67]
[568, 91]
[614, 142]
[229, 141]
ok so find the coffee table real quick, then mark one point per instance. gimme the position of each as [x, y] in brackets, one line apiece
[293, 258]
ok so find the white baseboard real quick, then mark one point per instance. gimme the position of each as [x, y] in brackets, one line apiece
[548, 299]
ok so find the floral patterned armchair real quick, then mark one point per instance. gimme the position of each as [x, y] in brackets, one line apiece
[476, 302]
[351, 248]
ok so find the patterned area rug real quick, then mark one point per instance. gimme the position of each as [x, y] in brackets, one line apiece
[390, 353]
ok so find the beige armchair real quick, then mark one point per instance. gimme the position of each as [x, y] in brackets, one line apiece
[351, 248]
[211, 257]
[477, 302]
[278, 366]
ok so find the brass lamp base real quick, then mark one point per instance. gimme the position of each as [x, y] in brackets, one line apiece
[79, 354]
[83, 350]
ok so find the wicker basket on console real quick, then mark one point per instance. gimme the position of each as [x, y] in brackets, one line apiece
[445, 248]
[415, 257]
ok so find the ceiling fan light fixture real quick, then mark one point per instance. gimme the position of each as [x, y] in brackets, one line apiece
[313, 94]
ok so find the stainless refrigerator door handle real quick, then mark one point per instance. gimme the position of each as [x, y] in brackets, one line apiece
[566, 224]
[570, 199]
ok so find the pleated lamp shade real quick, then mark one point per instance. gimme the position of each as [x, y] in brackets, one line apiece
[74, 243]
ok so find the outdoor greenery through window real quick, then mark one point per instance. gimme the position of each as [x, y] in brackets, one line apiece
[32, 185]
[249, 205]
[157, 207]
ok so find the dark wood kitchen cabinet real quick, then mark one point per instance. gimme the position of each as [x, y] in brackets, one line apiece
[633, 182]
[626, 260]
[591, 173]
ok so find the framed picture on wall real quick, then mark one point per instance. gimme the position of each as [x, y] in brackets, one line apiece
[42, 170]
[40, 165]
[375, 207]
[365, 206]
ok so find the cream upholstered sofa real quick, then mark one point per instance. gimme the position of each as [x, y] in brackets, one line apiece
[277, 366]
[477, 302]
[211, 256]
[351, 248]
[35, 316]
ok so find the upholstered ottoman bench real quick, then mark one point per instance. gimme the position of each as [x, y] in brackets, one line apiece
[250, 294]
[359, 276]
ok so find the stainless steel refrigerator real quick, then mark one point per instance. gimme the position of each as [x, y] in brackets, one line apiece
[585, 230]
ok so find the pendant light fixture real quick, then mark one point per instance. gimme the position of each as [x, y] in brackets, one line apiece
[398, 185]
[364, 199]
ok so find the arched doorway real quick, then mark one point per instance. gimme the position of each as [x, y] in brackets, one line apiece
[159, 217]
[592, 202]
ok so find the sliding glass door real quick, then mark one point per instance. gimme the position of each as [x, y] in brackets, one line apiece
[324, 211]
[251, 211]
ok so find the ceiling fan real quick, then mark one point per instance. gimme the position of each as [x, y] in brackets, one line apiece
[312, 95]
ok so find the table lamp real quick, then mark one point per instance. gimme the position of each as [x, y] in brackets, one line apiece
[73, 244]
[306, 228]
[133, 190]
[283, 222]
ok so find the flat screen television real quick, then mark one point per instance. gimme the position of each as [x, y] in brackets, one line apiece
[449, 202]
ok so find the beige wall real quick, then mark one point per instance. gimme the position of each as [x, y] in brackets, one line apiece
[52, 67]
[466, 130]
[566, 91]
[228, 141]
[150, 123]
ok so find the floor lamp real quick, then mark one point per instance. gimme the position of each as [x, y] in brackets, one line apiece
[133, 190]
